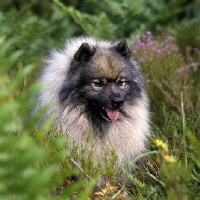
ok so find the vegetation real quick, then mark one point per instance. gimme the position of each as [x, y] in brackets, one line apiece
[164, 39]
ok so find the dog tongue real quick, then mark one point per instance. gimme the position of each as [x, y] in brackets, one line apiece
[112, 114]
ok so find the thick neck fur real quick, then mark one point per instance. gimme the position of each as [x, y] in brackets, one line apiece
[126, 135]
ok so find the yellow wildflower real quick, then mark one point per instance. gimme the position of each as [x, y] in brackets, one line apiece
[169, 158]
[160, 143]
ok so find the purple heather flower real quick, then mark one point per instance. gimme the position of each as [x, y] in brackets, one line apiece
[134, 51]
[142, 60]
[142, 44]
[151, 43]
[137, 37]
[159, 51]
[170, 38]
[149, 33]
[175, 48]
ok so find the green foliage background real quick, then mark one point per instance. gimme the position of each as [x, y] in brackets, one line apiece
[33, 166]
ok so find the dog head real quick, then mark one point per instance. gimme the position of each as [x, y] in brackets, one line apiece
[102, 78]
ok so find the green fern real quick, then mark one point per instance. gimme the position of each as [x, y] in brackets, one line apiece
[94, 25]
[29, 163]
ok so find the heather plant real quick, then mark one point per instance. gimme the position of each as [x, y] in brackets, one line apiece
[171, 80]
[148, 48]
[172, 85]
[168, 72]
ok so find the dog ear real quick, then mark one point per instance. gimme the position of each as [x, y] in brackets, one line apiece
[84, 53]
[122, 48]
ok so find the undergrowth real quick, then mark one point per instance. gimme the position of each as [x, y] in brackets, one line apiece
[37, 165]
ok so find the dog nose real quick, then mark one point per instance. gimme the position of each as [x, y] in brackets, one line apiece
[117, 103]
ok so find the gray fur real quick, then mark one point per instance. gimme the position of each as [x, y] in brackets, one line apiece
[128, 135]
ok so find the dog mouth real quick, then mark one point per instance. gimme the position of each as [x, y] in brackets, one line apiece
[108, 114]
[112, 114]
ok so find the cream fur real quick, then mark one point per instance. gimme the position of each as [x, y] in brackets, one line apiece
[128, 136]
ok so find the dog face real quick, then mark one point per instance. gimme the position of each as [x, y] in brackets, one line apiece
[104, 80]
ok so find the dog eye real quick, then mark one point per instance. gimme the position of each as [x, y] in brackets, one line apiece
[98, 84]
[121, 83]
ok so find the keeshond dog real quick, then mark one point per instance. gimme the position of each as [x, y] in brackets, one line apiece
[97, 89]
